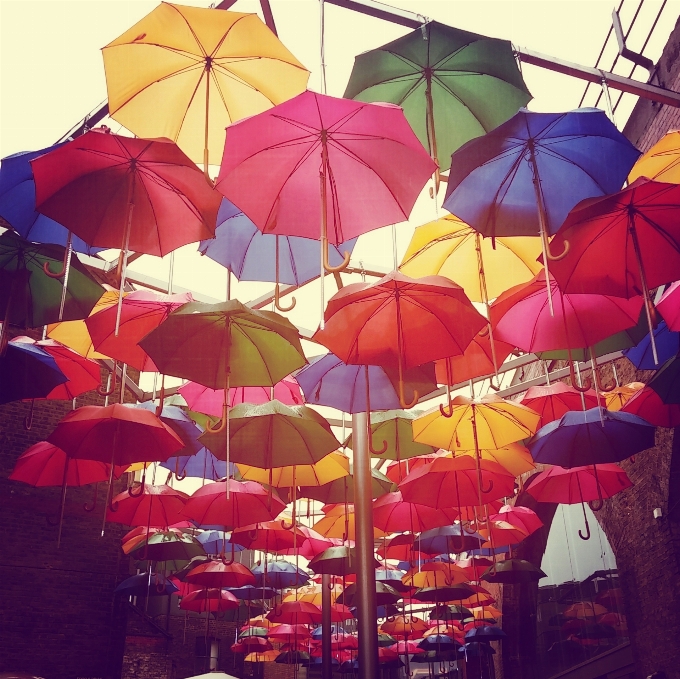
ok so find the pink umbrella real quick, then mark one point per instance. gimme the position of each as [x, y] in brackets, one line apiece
[334, 168]
[314, 544]
[210, 401]
[392, 514]
[669, 306]
[554, 400]
[521, 517]
[154, 506]
[648, 405]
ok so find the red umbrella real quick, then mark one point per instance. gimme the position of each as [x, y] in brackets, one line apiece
[220, 574]
[313, 544]
[344, 641]
[522, 317]
[289, 633]
[399, 322]
[393, 514]
[453, 482]
[405, 646]
[141, 312]
[257, 643]
[396, 471]
[401, 547]
[248, 503]
[648, 405]
[212, 600]
[211, 401]
[624, 244]
[386, 654]
[474, 566]
[369, 163]
[340, 612]
[152, 506]
[128, 193]
[521, 517]
[295, 612]
[554, 400]
[275, 537]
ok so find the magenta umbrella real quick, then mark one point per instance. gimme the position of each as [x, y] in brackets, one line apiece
[324, 168]
[211, 401]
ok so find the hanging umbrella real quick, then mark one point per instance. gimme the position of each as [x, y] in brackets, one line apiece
[584, 610]
[342, 490]
[269, 536]
[141, 312]
[501, 533]
[17, 204]
[255, 256]
[405, 626]
[619, 396]
[666, 382]
[453, 85]
[448, 540]
[554, 400]
[336, 561]
[220, 574]
[625, 244]
[371, 165]
[393, 514]
[342, 525]
[168, 546]
[154, 506]
[435, 574]
[648, 405]
[248, 502]
[327, 381]
[189, 72]
[216, 542]
[261, 657]
[252, 593]
[202, 465]
[146, 584]
[289, 633]
[313, 594]
[667, 345]
[513, 571]
[314, 544]
[384, 595]
[521, 517]
[279, 574]
[29, 297]
[514, 458]
[660, 162]
[522, 178]
[211, 600]
[396, 470]
[669, 306]
[295, 613]
[210, 401]
[485, 634]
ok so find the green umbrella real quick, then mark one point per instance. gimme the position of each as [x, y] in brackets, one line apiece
[385, 595]
[29, 297]
[336, 561]
[273, 435]
[437, 595]
[342, 490]
[453, 85]
[168, 546]
[394, 427]
[513, 571]
[386, 640]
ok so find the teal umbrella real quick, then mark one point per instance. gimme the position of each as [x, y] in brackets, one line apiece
[453, 85]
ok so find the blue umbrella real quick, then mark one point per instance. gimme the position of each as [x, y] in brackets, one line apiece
[327, 381]
[254, 256]
[476, 649]
[252, 593]
[592, 436]
[438, 642]
[217, 542]
[335, 629]
[447, 540]
[17, 204]
[26, 371]
[202, 465]
[485, 634]
[146, 584]
[280, 575]
[667, 345]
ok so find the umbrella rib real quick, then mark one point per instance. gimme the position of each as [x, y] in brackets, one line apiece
[191, 30]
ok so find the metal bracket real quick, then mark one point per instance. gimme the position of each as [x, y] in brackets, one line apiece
[636, 58]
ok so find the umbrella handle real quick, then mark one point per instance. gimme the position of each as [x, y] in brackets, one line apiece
[60, 274]
[28, 420]
[562, 255]
[493, 386]
[574, 382]
[373, 450]
[277, 300]
[91, 508]
[448, 411]
[585, 519]
[107, 392]
[233, 556]
[252, 534]
[489, 489]
[596, 505]
[402, 400]
[326, 263]
[223, 423]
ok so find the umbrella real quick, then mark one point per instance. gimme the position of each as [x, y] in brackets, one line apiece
[648, 405]
[314, 544]
[400, 547]
[522, 517]
[290, 633]
[252, 593]
[279, 575]
[336, 561]
[269, 536]
[189, 72]
[372, 168]
[514, 458]
[522, 178]
[216, 541]
[248, 502]
[405, 626]
[399, 322]
[669, 306]
[385, 595]
[513, 571]
[127, 193]
[220, 574]
[554, 400]
[17, 204]
[619, 396]
[453, 85]
[168, 546]
[264, 656]
[30, 297]
[486, 633]
[667, 345]
[327, 381]
[202, 465]
[341, 525]
[153, 506]
[435, 574]
[501, 533]
[592, 484]
[447, 540]
[342, 490]
[210, 401]
[396, 470]
[665, 381]
[141, 312]
[624, 244]
[146, 584]
[295, 613]
[443, 593]
[211, 600]
[393, 514]
[255, 256]
[660, 162]
[584, 610]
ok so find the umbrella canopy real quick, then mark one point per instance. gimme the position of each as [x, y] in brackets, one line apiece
[146, 584]
[178, 420]
[666, 381]
[513, 571]
[327, 381]
[336, 561]
[409, 626]
[554, 400]
[253, 593]
[448, 540]
[666, 342]
[593, 436]
[289, 633]
[619, 396]
[373, 164]
[141, 312]
[669, 306]
[189, 72]
[208, 343]
[384, 595]
[453, 85]
[201, 465]
[210, 401]
[435, 574]
[574, 155]
[274, 435]
[118, 433]
[157, 506]
[89, 184]
[295, 613]
[29, 297]
[485, 634]
[43, 464]
[449, 247]
[341, 525]
[168, 546]
[514, 458]
[648, 405]
[578, 484]
[660, 162]
[342, 489]
[280, 574]
[393, 514]
[211, 600]
[522, 517]
[248, 503]
[219, 574]
[216, 542]
[330, 468]
[501, 533]
[270, 536]
[17, 204]
[314, 544]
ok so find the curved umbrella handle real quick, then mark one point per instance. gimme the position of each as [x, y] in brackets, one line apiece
[59, 274]
[131, 493]
[252, 534]
[326, 263]
[448, 411]
[160, 587]
[233, 556]
[600, 387]
[402, 400]
[277, 300]
[107, 392]
[181, 476]
[585, 519]
[574, 382]
[562, 255]
[91, 508]
[28, 420]
[596, 505]
[113, 506]
[493, 386]
[223, 423]
[489, 489]
[375, 451]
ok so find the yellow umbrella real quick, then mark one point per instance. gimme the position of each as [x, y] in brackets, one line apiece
[335, 525]
[619, 396]
[486, 613]
[312, 594]
[584, 610]
[449, 247]
[476, 424]
[661, 162]
[435, 574]
[75, 335]
[502, 533]
[263, 656]
[514, 457]
[186, 73]
[333, 466]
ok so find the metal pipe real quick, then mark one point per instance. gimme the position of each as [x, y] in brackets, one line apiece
[326, 659]
[363, 508]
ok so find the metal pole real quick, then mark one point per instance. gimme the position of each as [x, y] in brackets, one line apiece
[363, 508]
[326, 659]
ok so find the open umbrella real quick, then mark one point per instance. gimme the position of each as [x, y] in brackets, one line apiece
[332, 467]
[522, 517]
[220, 574]
[393, 514]
[660, 162]
[336, 561]
[666, 381]
[202, 465]
[146, 584]
[554, 400]
[212, 600]
[342, 490]
[270, 536]
[447, 540]
[452, 84]
[341, 524]
[188, 72]
[648, 405]
[513, 571]
[152, 506]
[666, 342]
[669, 306]
[280, 574]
